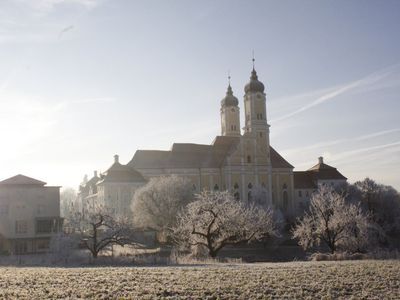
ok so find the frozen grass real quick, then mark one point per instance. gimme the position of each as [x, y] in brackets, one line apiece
[297, 280]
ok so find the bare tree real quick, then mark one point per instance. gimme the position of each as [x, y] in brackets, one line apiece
[215, 220]
[99, 229]
[382, 203]
[330, 221]
[157, 204]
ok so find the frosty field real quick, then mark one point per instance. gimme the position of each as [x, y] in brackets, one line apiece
[327, 280]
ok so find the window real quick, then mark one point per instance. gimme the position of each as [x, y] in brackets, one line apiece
[194, 187]
[40, 209]
[261, 116]
[216, 187]
[4, 208]
[285, 200]
[21, 227]
[250, 186]
[249, 196]
[236, 186]
[284, 187]
[248, 159]
[260, 134]
[21, 247]
[307, 194]
[232, 127]
[44, 226]
[300, 194]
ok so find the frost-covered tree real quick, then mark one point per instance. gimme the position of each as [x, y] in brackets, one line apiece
[260, 197]
[99, 229]
[157, 204]
[332, 222]
[215, 220]
[68, 202]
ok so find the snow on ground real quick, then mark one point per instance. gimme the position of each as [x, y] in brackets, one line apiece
[326, 280]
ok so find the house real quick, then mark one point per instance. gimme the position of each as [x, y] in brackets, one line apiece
[29, 215]
[307, 182]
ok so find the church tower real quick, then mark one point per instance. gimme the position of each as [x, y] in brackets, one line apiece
[230, 114]
[256, 111]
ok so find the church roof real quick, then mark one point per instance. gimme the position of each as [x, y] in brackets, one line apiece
[277, 161]
[121, 173]
[22, 180]
[195, 155]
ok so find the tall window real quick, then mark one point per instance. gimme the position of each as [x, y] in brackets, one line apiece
[21, 226]
[216, 187]
[236, 194]
[249, 193]
[248, 159]
[300, 194]
[285, 200]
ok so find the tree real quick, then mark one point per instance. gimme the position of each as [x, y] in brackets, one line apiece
[157, 204]
[382, 202]
[99, 229]
[68, 202]
[330, 221]
[215, 220]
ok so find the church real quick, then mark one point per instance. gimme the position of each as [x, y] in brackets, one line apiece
[240, 160]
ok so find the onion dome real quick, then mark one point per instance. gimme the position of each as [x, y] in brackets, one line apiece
[229, 99]
[254, 85]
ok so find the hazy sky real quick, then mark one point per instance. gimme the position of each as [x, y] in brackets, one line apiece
[82, 80]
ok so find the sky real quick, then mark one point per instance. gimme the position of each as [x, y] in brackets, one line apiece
[82, 80]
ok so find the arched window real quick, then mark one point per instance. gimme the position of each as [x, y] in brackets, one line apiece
[216, 187]
[249, 196]
[248, 159]
[285, 200]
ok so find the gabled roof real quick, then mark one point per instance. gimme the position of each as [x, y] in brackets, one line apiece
[121, 173]
[22, 180]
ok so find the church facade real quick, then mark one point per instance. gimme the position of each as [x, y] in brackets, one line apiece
[240, 160]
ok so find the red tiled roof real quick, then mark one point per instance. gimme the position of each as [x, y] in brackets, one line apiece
[303, 180]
